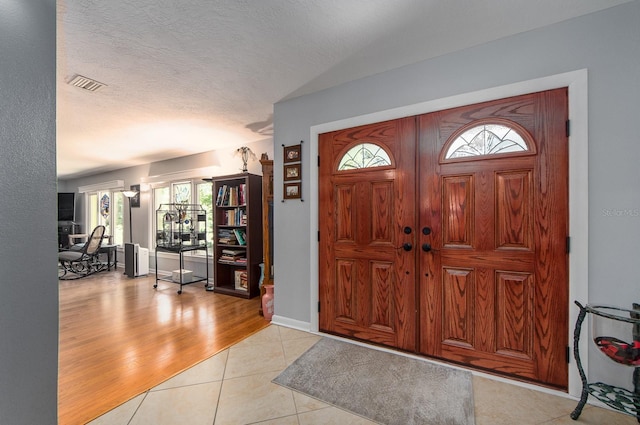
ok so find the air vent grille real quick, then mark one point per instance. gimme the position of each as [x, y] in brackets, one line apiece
[86, 83]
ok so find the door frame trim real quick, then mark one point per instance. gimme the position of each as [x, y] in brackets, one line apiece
[577, 83]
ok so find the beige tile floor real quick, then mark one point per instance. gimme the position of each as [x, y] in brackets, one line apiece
[234, 387]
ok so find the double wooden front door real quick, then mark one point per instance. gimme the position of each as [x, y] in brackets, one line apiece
[445, 234]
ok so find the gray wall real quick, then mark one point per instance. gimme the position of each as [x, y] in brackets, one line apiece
[28, 252]
[606, 43]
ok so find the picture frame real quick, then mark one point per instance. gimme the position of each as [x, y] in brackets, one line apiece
[292, 153]
[292, 190]
[292, 172]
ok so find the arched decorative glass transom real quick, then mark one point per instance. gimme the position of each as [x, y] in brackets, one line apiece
[364, 155]
[486, 139]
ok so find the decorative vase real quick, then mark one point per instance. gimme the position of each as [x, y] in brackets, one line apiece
[267, 302]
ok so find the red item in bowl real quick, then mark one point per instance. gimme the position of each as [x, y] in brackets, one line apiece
[620, 351]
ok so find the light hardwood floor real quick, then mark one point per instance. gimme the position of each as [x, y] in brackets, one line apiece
[120, 337]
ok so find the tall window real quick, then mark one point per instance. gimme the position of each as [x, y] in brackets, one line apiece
[105, 208]
[185, 192]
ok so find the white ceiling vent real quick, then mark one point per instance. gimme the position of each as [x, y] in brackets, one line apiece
[86, 83]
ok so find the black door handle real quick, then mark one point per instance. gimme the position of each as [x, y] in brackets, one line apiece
[426, 231]
[407, 246]
[426, 247]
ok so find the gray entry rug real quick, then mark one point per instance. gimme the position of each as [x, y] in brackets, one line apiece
[383, 387]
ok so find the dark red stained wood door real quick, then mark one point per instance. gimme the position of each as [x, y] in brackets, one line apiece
[485, 283]
[494, 287]
[367, 280]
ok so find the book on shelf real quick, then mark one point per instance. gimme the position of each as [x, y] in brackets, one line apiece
[226, 196]
[235, 217]
[233, 255]
[231, 195]
[228, 259]
[227, 237]
[241, 281]
[224, 241]
[230, 218]
[233, 252]
[241, 236]
[242, 195]
[221, 195]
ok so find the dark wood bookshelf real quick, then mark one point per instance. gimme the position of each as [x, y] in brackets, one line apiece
[237, 209]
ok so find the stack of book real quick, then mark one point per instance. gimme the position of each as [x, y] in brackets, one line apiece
[232, 237]
[227, 237]
[233, 255]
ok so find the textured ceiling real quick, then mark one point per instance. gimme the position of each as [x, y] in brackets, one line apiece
[190, 76]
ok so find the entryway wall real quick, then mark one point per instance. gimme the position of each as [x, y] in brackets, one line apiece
[607, 43]
[578, 177]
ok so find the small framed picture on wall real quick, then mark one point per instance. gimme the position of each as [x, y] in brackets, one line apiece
[292, 190]
[292, 153]
[292, 172]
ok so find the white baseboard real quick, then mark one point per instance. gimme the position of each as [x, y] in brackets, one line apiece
[291, 323]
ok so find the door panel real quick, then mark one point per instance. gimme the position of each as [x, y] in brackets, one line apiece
[493, 290]
[458, 216]
[457, 286]
[514, 314]
[345, 291]
[367, 280]
[513, 210]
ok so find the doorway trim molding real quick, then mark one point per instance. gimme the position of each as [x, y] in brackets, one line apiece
[577, 83]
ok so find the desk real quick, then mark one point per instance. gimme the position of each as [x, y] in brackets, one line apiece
[112, 256]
